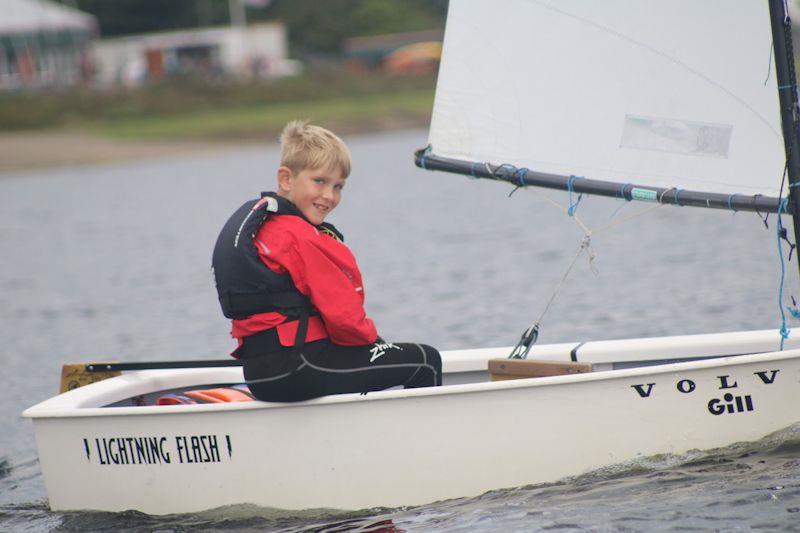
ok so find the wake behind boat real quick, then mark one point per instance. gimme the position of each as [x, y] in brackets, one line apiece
[596, 99]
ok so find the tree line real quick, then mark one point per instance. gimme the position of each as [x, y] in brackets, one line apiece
[314, 26]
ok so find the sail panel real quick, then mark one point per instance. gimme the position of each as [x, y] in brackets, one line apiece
[673, 93]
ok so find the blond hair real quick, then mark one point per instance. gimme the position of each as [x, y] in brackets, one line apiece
[306, 146]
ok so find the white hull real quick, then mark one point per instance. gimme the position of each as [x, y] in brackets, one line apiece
[401, 447]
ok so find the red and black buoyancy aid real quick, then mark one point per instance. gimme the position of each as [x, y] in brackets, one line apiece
[245, 285]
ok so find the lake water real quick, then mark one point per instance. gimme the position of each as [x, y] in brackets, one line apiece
[112, 262]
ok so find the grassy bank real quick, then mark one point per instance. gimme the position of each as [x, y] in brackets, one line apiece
[188, 109]
[344, 114]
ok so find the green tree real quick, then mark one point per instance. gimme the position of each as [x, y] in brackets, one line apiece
[318, 26]
[374, 17]
[313, 25]
[322, 26]
[124, 17]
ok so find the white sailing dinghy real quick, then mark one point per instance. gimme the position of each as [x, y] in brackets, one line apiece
[687, 106]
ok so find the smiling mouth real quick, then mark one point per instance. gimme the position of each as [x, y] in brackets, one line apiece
[321, 207]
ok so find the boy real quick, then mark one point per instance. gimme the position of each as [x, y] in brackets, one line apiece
[294, 291]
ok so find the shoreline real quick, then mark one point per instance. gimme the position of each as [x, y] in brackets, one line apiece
[35, 150]
[42, 150]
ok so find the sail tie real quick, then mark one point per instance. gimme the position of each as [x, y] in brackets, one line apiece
[783, 235]
[730, 203]
[521, 173]
[573, 206]
[765, 218]
[472, 171]
[622, 191]
[677, 194]
[424, 156]
[503, 172]
[624, 197]
[794, 310]
[665, 191]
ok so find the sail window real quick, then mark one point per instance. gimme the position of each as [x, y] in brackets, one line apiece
[676, 136]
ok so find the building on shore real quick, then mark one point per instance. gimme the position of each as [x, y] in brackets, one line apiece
[44, 44]
[257, 51]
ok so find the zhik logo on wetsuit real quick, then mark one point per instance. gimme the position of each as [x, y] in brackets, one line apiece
[380, 349]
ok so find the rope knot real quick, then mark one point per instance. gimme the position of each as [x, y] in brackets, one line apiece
[573, 206]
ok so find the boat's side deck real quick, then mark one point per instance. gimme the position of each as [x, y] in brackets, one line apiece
[188, 386]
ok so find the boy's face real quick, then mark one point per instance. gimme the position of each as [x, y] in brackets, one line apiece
[315, 192]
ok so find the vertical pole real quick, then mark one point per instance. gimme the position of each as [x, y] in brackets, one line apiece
[787, 92]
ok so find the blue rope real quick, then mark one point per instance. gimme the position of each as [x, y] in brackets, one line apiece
[521, 173]
[677, 201]
[784, 331]
[621, 195]
[622, 191]
[472, 171]
[424, 155]
[573, 206]
[730, 205]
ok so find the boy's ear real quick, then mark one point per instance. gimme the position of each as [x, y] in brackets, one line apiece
[284, 178]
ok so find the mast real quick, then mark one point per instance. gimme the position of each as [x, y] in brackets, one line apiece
[787, 93]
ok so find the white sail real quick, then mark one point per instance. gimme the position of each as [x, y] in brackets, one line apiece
[672, 93]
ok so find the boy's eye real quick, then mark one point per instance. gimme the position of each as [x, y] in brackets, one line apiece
[319, 181]
[338, 187]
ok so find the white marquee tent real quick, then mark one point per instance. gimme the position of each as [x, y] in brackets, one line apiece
[43, 43]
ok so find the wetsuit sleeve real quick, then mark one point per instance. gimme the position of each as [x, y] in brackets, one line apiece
[326, 271]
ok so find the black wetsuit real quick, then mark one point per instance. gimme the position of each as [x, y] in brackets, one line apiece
[327, 368]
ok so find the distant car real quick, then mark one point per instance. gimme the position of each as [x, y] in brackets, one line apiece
[416, 58]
